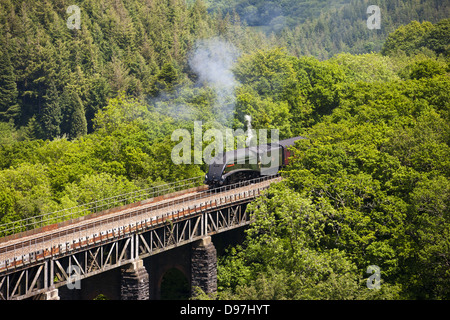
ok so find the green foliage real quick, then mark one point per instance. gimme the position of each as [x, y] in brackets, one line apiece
[308, 87]
[167, 77]
[282, 259]
[9, 108]
[131, 140]
[426, 69]
[430, 230]
[128, 150]
[265, 113]
[325, 28]
[140, 48]
[51, 115]
[75, 124]
[8, 133]
[407, 38]
[131, 47]
[268, 72]
[369, 185]
[414, 36]
[25, 192]
[439, 38]
[271, 13]
[325, 79]
[92, 188]
[370, 67]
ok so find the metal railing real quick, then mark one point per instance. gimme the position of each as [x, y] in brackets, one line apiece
[96, 206]
[117, 221]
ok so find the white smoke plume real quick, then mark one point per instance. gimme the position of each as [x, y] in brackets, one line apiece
[248, 119]
[212, 60]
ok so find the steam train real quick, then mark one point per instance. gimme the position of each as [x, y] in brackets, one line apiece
[248, 163]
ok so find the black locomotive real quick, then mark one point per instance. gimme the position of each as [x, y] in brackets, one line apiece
[249, 163]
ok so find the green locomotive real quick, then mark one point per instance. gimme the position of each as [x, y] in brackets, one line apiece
[249, 163]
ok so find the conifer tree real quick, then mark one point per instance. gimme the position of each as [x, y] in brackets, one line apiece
[74, 122]
[51, 114]
[168, 76]
[9, 109]
[78, 124]
[99, 92]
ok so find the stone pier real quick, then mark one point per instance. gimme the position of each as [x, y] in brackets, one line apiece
[50, 295]
[204, 266]
[134, 283]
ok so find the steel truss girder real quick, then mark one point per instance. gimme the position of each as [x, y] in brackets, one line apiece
[90, 262]
[57, 272]
[87, 261]
[26, 282]
[226, 219]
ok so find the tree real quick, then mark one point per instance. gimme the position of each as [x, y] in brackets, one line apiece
[97, 99]
[167, 77]
[431, 230]
[265, 113]
[118, 74]
[324, 84]
[370, 67]
[426, 69]
[407, 38]
[273, 74]
[283, 258]
[9, 107]
[51, 114]
[74, 120]
[94, 187]
[78, 124]
[269, 73]
[438, 38]
[25, 192]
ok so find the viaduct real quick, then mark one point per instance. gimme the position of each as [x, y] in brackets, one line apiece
[163, 247]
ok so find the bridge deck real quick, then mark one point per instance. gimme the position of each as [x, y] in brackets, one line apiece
[111, 225]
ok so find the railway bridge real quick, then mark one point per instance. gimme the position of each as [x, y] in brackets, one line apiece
[125, 250]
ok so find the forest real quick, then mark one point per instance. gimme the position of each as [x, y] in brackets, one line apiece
[88, 113]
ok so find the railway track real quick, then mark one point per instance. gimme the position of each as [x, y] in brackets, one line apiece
[89, 231]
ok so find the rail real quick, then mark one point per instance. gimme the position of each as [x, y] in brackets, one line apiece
[96, 206]
[104, 223]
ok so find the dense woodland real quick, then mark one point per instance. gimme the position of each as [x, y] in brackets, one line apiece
[87, 114]
[322, 28]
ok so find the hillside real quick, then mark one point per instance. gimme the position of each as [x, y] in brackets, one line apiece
[53, 73]
[288, 13]
[327, 27]
[134, 47]
[367, 190]
[89, 113]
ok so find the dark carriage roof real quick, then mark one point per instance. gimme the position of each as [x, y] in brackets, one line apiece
[289, 142]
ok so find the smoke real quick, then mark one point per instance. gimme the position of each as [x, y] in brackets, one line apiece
[248, 119]
[212, 60]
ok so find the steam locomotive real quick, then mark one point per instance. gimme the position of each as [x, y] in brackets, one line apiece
[248, 163]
